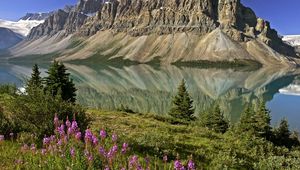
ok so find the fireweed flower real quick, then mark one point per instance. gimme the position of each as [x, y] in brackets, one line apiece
[191, 165]
[165, 158]
[72, 152]
[134, 162]
[70, 131]
[61, 129]
[102, 151]
[124, 148]
[106, 168]
[11, 134]
[178, 165]
[102, 134]
[90, 158]
[59, 143]
[43, 151]
[52, 138]
[114, 137]
[94, 140]
[1, 138]
[32, 147]
[88, 136]
[46, 141]
[78, 135]
[114, 148]
[68, 123]
[74, 125]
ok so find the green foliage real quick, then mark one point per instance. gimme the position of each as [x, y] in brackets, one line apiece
[125, 109]
[58, 82]
[35, 81]
[34, 113]
[283, 137]
[182, 106]
[256, 122]
[8, 89]
[214, 120]
[262, 121]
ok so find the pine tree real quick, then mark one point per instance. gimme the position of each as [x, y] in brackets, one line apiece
[182, 105]
[58, 82]
[282, 133]
[214, 120]
[35, 82]
[262, 121]
[246, 120]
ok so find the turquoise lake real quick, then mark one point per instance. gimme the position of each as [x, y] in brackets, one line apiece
[145, 88]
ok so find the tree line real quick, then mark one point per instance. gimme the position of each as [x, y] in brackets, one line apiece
[255, 122]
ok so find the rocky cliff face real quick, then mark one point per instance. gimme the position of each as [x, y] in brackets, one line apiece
[184, 24]
[144, 17]
[69, 20]
[36, 16]
[59, 21]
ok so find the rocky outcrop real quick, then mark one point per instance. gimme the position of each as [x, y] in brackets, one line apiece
[36, 16]
[70, 19]
[60, 20]
[143, 17]
[89, 6]
[8, 38]
[172, 30]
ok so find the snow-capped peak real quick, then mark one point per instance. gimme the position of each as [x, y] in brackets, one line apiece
[21, 27]
[293, 40]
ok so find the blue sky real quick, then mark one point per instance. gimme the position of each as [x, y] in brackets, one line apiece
[15, 9]
[284, 15]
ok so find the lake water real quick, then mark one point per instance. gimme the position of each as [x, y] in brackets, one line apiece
[145, 88]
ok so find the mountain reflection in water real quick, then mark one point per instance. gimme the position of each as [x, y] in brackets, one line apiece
[144, 88]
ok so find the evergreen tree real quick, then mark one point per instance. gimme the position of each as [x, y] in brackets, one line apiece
[58, 82]
[182, 106]
[256, 122]
[35, 82]
[262, 121]
[214, 120]
[282, 133]
[246, 120]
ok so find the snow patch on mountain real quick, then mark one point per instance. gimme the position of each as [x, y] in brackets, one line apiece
[21, 27]
[293, 40]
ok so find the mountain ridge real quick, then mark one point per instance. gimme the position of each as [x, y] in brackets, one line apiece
[142, 22]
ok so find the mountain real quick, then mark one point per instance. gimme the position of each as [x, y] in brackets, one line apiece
[21, 27]
[25, 23]
[13, 32]
[168, 31]
[36, 16]
[293, 40]
[8, 38]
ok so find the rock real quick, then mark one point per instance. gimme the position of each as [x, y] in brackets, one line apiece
[36, 16]
[187, 21]
[60, 20]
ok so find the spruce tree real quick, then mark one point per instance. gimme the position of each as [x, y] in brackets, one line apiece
[262, 121]
[35, 81]
[282, 133]
[182, 105]
[58, 82]
[246, 120]
[214, 120]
